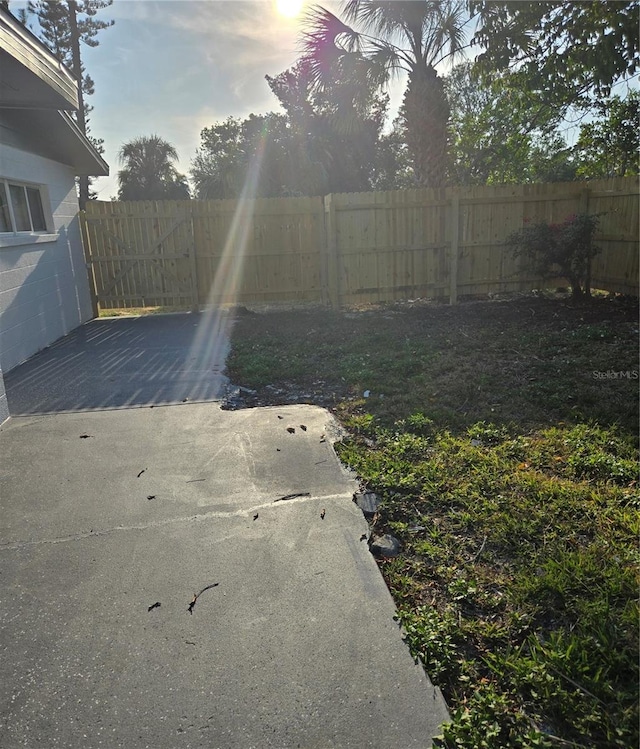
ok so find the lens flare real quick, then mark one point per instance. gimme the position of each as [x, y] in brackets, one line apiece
[214, 328]
[289, 8]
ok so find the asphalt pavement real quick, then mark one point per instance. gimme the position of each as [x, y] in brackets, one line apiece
[177, 575]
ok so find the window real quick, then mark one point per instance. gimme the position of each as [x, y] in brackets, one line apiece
[21, 208]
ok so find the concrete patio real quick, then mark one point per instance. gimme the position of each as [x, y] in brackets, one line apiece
[124, 491]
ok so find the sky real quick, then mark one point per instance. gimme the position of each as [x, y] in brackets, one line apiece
[173, 67]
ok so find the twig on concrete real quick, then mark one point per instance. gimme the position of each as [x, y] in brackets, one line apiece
[197, 595]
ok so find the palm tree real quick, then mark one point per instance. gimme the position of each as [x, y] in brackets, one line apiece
[395, 35]
[149, 173]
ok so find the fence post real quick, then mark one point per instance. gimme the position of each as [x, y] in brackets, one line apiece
[84, 235]
[584, 208]
[195, 304]
[455, 245]
[331, 238]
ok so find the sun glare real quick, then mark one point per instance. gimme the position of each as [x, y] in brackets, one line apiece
[214, 328]
[289, 8]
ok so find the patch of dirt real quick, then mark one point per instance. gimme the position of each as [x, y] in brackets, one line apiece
[530, 359]
[318, 393]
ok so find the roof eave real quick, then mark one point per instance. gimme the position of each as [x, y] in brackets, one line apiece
[24, 54]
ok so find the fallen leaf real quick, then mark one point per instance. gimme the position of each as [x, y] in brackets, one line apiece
[141, 472]
[256, 516]
[151, 496]
[85, 436]
[322, 514]
[291, 430]
[155, 605]
[363, 537]
[303, 427]
[281, 417]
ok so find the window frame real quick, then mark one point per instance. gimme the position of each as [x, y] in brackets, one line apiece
[41, 190]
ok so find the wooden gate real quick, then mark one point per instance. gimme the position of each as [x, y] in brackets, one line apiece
[141, 255]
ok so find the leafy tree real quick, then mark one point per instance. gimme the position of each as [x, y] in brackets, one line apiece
[393, 170]
[216, 167]
[149, 173]
[229, 149]
[63, 26]
[610, 145]
[335, 131]
[499, 134]
[566, 47]
[395, 35]
[310, 149]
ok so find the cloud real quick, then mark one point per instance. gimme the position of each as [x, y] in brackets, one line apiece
[238, 34]
[173, 67]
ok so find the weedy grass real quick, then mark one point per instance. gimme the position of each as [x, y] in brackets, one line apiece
[137, 311]
[502, 439]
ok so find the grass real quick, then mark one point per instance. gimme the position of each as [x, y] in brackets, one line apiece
[502, 439]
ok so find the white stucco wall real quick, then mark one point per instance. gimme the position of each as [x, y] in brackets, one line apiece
[44, 288]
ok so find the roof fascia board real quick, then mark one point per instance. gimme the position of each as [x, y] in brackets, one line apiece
[29, 51]
[101, 166]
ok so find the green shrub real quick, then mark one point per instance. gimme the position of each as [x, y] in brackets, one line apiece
[565, 249]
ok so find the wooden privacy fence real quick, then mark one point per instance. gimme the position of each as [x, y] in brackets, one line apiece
[346, 248]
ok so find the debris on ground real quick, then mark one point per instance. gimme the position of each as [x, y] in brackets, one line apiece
[368, 502]
[292, 496]
[385, 546]
[155, 605]
[197, 595]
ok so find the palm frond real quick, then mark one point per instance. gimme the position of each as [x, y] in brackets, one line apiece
[386, 61]
[449, 36]
[324, 43]
[383, 19]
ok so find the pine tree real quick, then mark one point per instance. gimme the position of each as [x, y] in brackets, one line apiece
[63, 26]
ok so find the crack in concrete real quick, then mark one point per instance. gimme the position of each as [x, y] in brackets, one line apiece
[17, 545]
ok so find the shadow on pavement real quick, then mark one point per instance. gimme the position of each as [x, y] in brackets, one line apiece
[123, 363]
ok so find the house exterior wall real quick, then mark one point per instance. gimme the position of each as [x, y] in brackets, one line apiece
[44, 288]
